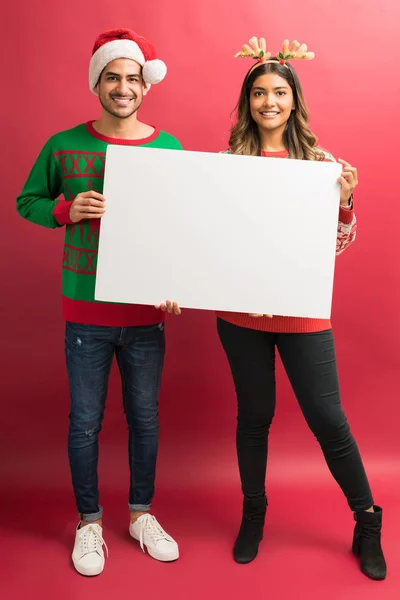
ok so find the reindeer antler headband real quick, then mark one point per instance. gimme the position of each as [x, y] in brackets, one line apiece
[258, 51]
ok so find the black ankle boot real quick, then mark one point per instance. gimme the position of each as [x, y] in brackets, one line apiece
[367, 543]
[251, 530]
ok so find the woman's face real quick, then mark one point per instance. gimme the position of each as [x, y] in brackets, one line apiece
[271, 102]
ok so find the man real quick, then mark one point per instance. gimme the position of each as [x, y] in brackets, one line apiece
[122, 68]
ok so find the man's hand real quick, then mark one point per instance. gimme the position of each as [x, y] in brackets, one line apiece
[88, 205]
[170, 307]
[258, 315]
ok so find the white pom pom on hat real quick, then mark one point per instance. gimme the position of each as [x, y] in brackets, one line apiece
[125, 43]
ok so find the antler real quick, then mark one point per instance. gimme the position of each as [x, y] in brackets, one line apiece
[256, 50]
[295, 50]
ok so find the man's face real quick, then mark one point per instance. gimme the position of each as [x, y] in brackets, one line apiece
[121, 88]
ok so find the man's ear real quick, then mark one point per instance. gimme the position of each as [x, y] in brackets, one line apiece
[145, 89]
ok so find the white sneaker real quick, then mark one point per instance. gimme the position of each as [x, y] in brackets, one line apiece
[148, 531]
[88, 554]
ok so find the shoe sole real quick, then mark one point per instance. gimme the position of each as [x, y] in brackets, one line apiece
[87, 572]
[156, 556]
[240, 561]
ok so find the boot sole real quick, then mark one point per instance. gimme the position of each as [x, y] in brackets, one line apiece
[244, 562]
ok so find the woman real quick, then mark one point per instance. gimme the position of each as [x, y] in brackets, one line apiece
[272, 120]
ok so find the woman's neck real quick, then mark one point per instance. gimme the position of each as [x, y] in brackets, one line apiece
[272, 141]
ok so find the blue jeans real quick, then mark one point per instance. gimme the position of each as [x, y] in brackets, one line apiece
[90, 350]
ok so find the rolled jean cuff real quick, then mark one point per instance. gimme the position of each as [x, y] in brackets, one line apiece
[143, 507]
[92, 517]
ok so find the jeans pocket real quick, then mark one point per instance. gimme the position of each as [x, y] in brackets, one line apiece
[73, 337]
[81, 335]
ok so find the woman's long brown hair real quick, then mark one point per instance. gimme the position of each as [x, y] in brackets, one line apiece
[298, 139]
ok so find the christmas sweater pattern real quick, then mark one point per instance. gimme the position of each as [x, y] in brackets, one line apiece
[72, 162]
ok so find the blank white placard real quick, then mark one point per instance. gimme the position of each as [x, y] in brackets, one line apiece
[218, 232]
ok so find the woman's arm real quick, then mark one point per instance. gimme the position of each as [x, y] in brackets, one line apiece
[346, 231]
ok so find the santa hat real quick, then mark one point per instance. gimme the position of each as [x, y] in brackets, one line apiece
[125, 43]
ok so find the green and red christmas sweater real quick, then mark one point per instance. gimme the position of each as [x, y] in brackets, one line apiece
[72, 162]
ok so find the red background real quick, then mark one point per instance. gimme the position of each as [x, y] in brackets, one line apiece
[352, 89]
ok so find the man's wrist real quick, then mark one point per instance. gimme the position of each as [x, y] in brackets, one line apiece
[61, 212]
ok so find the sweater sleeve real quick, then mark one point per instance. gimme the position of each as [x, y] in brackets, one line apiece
[347, 228]
[347, 225]
[37, 201]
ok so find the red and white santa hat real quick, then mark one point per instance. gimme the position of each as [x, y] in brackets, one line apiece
[125, 43]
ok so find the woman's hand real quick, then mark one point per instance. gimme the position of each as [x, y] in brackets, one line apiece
[170, 307]
[348, 180]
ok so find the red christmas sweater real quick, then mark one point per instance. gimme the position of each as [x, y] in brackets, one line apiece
[346, 234]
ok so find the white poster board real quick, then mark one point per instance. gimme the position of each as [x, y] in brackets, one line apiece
[218, 232]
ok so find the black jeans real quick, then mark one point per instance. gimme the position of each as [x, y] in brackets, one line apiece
[310, 363]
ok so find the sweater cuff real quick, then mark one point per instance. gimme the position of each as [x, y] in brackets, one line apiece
[61, 212]
[346, 215]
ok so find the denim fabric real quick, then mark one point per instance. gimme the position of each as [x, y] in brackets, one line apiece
[89, 352]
